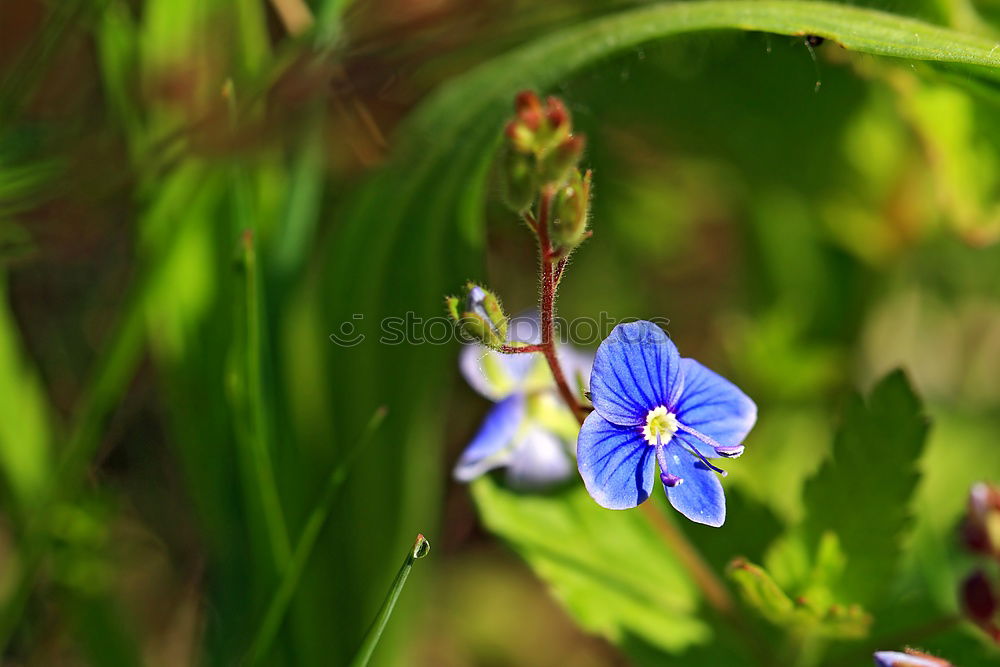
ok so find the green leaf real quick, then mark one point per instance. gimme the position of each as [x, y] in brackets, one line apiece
[252, 404]
[543, 62]
[863, 493]
[292, 575]
[25, 437]
[760, 591]
[610, 569]
[810, 615]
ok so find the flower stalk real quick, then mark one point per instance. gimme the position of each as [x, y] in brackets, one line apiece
[543, 184]
[551, 267]
[547, 305]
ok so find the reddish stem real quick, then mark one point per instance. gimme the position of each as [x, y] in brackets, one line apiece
[548, 300]
[559, 271]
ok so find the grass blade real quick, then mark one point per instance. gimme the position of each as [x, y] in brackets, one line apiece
[257, 431]
[303, 549]
[420, 548]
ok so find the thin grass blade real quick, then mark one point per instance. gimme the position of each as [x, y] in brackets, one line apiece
[420, 549]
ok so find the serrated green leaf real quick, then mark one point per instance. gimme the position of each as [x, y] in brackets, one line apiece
[862, 494]
[610, 569]
[804, 617]
[760, 591]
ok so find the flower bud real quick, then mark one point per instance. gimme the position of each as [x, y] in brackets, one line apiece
[527, 101]
[981, 526]
[557, 114]
[557, 163]
[979, 600]
[519, 179]
[558, 125]
[480, 316]
[451, 303]
[523, 131]
[569, 212]
[520, 136]
[537, 129]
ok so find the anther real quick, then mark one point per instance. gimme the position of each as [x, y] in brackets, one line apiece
[728, 451]
[670, 480]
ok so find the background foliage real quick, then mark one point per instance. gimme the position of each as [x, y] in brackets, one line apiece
[194, 195]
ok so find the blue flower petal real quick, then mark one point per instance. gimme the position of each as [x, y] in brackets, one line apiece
[539, 460]
[615, 462]
[491, 374]
[714, 406]
[897, 659]
[491, 446]
[699, 497]
[636, 369]
[495, 375]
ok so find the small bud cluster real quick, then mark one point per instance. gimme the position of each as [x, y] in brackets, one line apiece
[540, 159]
[542, 183]
[480, 315]
[980, 534]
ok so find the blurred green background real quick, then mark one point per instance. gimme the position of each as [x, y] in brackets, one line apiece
[195, 194]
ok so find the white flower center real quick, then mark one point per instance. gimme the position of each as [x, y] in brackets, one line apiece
[660, 422]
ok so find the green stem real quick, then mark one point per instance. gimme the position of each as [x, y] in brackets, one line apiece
[303, 549]
[420, 548]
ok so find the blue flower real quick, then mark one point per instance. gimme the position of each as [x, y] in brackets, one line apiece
[909, 659]
[651, 406]
[529, 431]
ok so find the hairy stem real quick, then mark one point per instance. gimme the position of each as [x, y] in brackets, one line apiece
[548, 300]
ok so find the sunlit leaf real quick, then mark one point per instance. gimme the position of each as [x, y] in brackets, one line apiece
[609, 568]
[25, 430]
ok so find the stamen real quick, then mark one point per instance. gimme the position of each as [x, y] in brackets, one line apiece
[668, 479]
[661, 458]
[707, 463]
[728, 451]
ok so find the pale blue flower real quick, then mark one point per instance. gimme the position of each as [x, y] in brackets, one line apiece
[908, 659]
[653, 407]
[529, 431]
